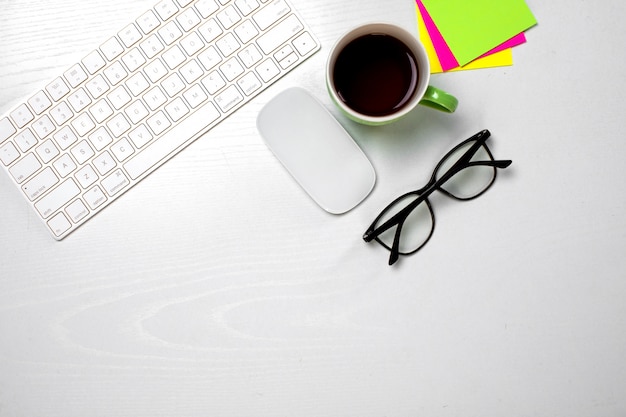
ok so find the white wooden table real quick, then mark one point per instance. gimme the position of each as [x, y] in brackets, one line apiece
[217, 288]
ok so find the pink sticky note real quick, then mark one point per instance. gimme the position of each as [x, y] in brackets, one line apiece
[445, 55]
[446, 58]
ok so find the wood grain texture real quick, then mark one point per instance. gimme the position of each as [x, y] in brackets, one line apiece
[217, 288]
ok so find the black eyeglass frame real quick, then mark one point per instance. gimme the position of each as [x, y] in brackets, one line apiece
[433, 185]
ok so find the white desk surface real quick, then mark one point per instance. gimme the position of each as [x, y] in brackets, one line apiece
[217, 288]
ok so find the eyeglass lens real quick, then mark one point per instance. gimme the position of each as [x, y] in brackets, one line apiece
[472, 180]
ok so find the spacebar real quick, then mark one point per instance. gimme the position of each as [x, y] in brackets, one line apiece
[171, 140]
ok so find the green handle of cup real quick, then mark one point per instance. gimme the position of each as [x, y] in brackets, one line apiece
[439, 99]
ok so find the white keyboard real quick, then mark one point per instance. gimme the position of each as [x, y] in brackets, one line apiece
[183, 66]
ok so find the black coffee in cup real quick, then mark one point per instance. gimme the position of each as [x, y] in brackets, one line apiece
[375, 74]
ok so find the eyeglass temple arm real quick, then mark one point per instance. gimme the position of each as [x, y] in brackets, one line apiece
[501, 163]
[394, 254]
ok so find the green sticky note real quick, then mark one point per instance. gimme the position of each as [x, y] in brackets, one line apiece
[471, 28]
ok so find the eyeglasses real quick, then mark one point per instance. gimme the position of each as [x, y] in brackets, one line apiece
[466, 172]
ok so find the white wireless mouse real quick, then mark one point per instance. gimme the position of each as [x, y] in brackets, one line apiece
[316, 150]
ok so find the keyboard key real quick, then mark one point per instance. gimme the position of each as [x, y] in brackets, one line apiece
[104, 163]
[188, 20]
[228, 17]
[158, 123]
[174, 57]
[249, 83]
[130, 35]
[210, 58]
[118, 125]
[155, 98]
[100, 138]
[141, 136]
[173, 85]
[304, 43]
[271, 14]
[192, 44]
[79, 99]
[59, 224]
[25, 140]
[170, 33]
[82, 152]
[177, 109]
[137, 84]
[279, 34]
[151, 46]
[21, 116]
[191, 71]
[77, 211]
[97, 86]
[83, 124]
[86, 176]
[64, 166]
[75, 76]
[228, 99]
[119, 97]
[61, 113]
[115, 73]
[206, 7]
[9, 154]
[148, 22]
[268, 70]
[26, 167]
[133, 60]
[6, 129]
[39, 102]
[47, 151]
[122, 150]
[250, 55]
[65, 137]
[213, 82]
[57, 89]
[166, 9]
[43, 127]
[288, 61]
[136, 112]
[115, 183]
[156, 70]
[195, 96]
[228, 44]
[40, 183]
[101, 111]
[210, 30]
[246, 7]
[231, 69]
[93, 62]
[94, 198]
[246, 31]
[112, 49]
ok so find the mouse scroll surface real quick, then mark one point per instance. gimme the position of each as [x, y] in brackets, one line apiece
[316, 150]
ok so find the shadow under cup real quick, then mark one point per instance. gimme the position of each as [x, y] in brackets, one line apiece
[379, 72]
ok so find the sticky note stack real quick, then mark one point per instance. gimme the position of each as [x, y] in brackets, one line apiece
[461, 34]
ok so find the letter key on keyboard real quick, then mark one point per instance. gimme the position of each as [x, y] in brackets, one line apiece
[92, 133]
